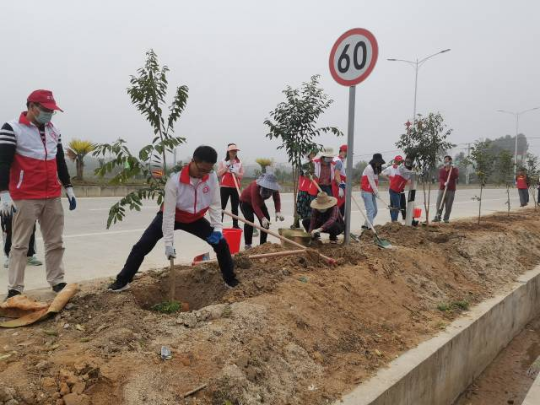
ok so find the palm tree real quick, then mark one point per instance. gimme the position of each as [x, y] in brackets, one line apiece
[76, 151]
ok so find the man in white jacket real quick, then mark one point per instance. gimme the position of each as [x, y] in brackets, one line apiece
[189, 194]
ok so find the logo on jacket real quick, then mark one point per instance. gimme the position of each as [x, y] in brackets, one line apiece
[206, 189]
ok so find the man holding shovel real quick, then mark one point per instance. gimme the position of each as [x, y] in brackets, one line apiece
[448, 177]
[189, 194]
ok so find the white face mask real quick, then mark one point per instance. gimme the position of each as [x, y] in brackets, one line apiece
[323, 210]
[447, 163]
[328, 159]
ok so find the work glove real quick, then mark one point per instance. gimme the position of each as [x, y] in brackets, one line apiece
[265, 223]
[170, 252]
[445, 183]
[7, 207]
[71, 198]
[233, 169]
[279, 217]
[214, 238]
[341, 191]
[316, 232]
[228, 163]
[376, 193]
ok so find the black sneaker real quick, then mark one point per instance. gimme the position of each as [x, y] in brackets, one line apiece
[118, 286]
[232, 283]
[58, 287]
[12, 293]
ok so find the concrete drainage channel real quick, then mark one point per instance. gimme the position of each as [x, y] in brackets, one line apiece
[440, 369]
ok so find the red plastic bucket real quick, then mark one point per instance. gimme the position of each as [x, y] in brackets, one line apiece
[233, 236]
[417, 212]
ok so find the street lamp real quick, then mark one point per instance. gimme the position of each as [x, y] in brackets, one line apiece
[416, 65]
[517, 114]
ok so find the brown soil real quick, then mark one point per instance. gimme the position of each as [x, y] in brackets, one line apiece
[294, 332]
[508, 379]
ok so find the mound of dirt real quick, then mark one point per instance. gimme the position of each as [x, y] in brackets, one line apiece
[295, 331]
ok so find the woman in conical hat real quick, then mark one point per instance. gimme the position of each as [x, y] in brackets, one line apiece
[325, 217]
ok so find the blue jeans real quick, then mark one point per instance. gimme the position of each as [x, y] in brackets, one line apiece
[370, 203]
[395, 203]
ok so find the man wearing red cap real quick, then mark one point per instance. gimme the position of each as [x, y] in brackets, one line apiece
[31, 164]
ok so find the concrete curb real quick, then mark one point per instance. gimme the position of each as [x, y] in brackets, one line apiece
[440, 369]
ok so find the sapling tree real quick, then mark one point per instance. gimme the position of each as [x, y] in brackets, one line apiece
[294, 123]
[505, 166]
[77, 151]
[264, 163]
[426, 141]
[531, 162]
[483, 163]
[147, 91]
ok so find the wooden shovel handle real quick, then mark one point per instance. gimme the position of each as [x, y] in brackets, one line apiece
[329, 260]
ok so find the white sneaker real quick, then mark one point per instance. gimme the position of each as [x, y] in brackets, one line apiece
[247, 247]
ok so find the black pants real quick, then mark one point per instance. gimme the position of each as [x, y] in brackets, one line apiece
[200, 228]
[7, 228]
[249, 214]
[334, 230]
[403, 204]
[227, 192]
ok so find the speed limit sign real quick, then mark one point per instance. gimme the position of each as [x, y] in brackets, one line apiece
[353, 57]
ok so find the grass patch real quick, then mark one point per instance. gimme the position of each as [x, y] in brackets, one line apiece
[454, 306]
[168, 307]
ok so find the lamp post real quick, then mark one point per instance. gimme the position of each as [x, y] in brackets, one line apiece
[417, 64]
[517, 114]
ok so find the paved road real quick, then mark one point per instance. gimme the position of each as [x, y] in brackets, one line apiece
[93, 251]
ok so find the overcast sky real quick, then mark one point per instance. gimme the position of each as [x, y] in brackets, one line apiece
[237, 57]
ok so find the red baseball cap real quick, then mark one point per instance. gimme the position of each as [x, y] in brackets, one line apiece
[343, 148]
[398, 158]
[45, 98]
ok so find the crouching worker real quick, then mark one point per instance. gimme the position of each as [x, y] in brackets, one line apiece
[189, 194]
[252, 204]
[325, 217]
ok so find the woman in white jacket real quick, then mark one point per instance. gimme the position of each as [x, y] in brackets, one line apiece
[231, 172]
[370, 187]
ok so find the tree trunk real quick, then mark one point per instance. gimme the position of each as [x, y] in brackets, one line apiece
[79, 165]
[534, 198]
[429, 203]
[480, 203]
[426, 208]
[296, 180]
[508, 196]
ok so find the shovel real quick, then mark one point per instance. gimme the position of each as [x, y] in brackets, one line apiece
[383, 243]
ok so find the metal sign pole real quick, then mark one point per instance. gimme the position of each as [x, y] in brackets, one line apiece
[349, 169]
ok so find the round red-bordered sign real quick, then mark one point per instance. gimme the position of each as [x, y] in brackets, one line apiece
[353, 57]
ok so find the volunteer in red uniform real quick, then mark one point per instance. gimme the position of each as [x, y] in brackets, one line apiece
[252, 205]
[399, 175]
[522, 183]
[448, 177]
[326, 166]
[231, 172]
[189, 195]
[340, 180]
[304, 197]
[32, 172]
[370, 187]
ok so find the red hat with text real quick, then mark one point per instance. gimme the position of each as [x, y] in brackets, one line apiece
[45, 98]
[343, 148]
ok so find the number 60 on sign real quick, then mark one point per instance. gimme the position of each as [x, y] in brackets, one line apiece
[353, 57]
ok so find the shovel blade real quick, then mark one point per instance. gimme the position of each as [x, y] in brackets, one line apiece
[383, 243]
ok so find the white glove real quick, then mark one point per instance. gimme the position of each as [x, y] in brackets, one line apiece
[170, 252]
[445, 183]
[315, 231]
[228, 163]
[71, 198]
[7, 207]
[279, 217]
[265, 223]
[341, 193]
[233, 169]
[376, 193]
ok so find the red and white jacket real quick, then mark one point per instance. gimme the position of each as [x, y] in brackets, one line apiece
[227, 179]
[187, 199]
[399, 180]
[370, 180]
[34, 170]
